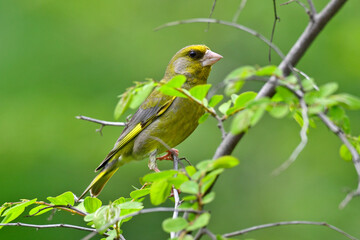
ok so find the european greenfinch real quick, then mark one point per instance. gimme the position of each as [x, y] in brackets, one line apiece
[171, 119]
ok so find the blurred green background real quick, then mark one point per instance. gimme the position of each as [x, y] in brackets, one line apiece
[59, 59]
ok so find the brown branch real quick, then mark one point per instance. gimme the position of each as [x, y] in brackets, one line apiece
[273, 28]
[269, 225]
[313, 29]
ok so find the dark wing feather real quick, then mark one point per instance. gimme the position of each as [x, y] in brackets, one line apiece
[154, 105]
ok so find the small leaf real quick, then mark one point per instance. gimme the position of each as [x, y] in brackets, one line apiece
[328, 89]
[204, 165]
[336, 113]
[348, 101]
[37, 209]
[178, 180]
[203, 117]
[241, 122]
[176, 82]
[308, 84]
[92, 204]
[130, 205]
[224, 107]
[122, 105]
[152, 177]
[140, 94]
[215, 100]
[159, 191]
[200, 91]
[199, 222]
[286, 94]
[279, 111]
[174, 224]
[190, 187]
[208, 198]
[139, 193]
[268, 71]
[345, 153]
[243, 99]
[171, 91]
[63, 199]
[190, 170]
[15, 211]
[225, 162]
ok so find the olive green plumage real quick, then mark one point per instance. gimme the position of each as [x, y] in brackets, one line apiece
[171, 119]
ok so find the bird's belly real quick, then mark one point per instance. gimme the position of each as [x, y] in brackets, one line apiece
[171, 128]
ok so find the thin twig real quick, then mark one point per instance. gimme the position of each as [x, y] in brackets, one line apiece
[211, 13]
[302, 144]
[312, 7]
[231, 24]
[101, 122]
[308, 12]
[176, 194]
[60, 225]
[203, 231]
[62, 207]
[355, 156]
[250, 229]
[273, 28]
[307, 77]
[239, 10]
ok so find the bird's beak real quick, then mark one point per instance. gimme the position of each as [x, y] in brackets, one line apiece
[210, 58]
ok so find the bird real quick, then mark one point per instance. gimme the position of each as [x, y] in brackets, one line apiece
[168, 118]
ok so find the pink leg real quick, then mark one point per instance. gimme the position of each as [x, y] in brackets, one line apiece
[168, 155]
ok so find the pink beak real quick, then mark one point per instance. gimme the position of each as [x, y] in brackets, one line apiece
[210, 58]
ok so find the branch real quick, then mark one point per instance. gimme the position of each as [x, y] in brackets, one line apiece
[273, 28]
[303, 142]
[231, 24]
[241, 232]
[238, 11]
[101, 122]
[227, 146]
[355, 156]
[61, 225]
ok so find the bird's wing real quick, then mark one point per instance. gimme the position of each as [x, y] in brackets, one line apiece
[154, 106]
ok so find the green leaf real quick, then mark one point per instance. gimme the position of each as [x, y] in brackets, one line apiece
[178, 180]
[152, 177]
[214, 100]
[268, 71]
[159, 191]
[241, 122]
[328, 89]
[235, 79]
[348, 101]
[204, 165]
[308, 84]
[130, 205]
[92, 204]
[190, 187]
[174, 224]
[336, 113]
[203, 117]
[199, 222]
[37, 209]
[171, 91]
[15, 211]
[190, 170]
[140, 94]
[208, 198]
[279, 111]
[225, 162]
[258, 113]
[345, 153]
[63, 199]
[200, 91]
[243, 99]
[122, 105]
[286, 95]
[176, 82]
[139, 193]
[224, 107]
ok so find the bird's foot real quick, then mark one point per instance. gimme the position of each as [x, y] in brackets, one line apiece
[169, 155]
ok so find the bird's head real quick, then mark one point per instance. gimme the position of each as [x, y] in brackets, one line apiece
[194, 62]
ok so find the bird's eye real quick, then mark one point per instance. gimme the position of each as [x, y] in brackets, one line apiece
[193, 54]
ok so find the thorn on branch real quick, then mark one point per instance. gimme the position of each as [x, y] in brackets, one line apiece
[102, 123]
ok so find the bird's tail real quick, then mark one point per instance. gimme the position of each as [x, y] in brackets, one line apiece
[99, 181]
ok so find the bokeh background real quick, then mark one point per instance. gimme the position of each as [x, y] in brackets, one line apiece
[59, 59]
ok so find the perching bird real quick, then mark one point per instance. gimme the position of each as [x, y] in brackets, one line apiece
[171, 119]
